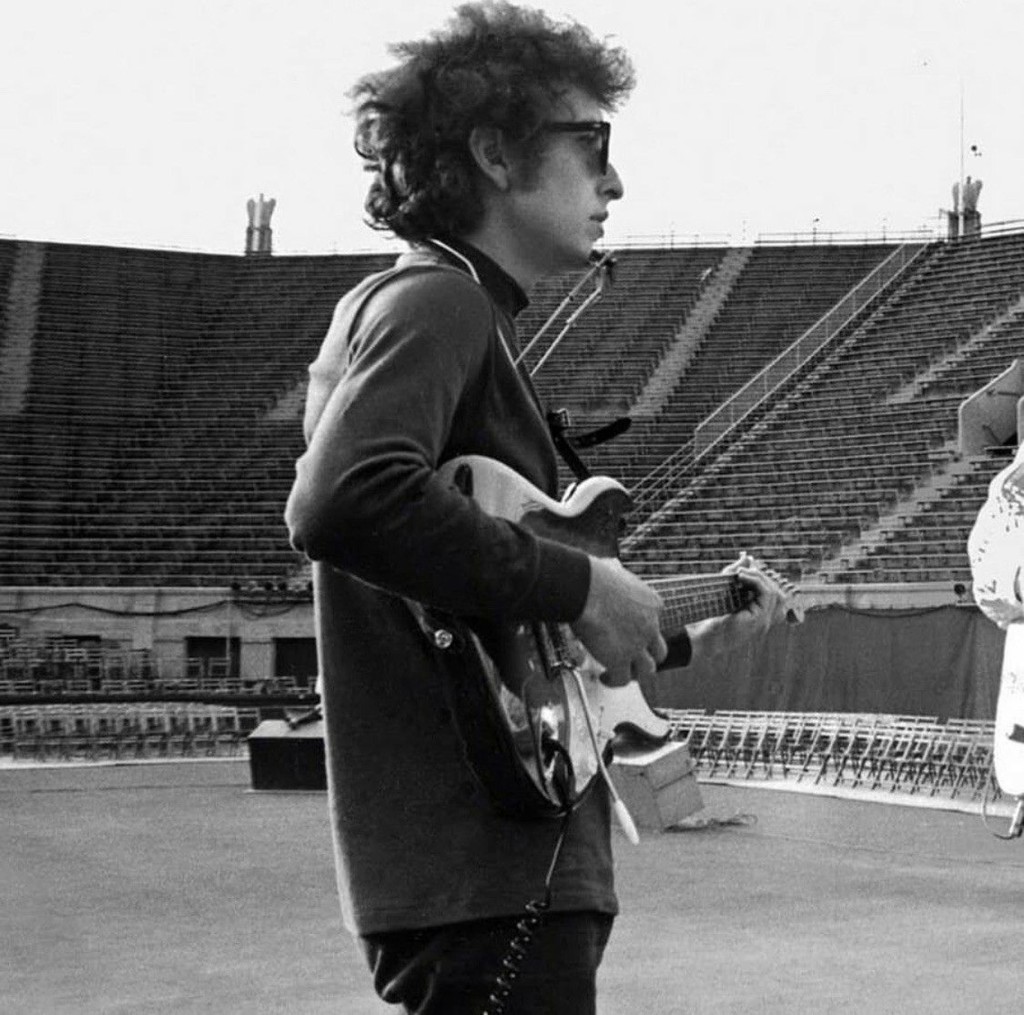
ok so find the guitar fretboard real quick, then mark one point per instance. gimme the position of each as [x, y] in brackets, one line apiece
[690, 598]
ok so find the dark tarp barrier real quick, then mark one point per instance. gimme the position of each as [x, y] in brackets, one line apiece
[943, 661]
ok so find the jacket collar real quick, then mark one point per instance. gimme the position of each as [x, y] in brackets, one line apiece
[503, 288]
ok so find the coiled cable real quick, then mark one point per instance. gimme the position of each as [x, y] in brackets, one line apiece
[526, 927]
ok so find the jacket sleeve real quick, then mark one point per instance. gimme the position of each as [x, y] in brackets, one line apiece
[367, 498]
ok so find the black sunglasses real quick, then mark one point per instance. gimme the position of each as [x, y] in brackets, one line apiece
[600, 128]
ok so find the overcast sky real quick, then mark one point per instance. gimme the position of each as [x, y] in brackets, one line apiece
[150, 123]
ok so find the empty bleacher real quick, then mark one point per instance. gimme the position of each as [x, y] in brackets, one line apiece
[146, 456]
[163, 410]
[611, 350]
[780, 293]
[836, 455]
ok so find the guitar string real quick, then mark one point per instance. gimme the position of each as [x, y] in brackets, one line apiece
[693, 597]
[694, 604]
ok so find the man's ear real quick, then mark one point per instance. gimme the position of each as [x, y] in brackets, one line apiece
[486, 145]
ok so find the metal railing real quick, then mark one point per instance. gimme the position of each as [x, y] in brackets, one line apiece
[658, 483]
[779, 370]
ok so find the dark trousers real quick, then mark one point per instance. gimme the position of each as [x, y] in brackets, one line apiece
[453, 970]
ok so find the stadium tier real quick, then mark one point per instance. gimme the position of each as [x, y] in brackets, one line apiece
[152, 404]
[854, 472]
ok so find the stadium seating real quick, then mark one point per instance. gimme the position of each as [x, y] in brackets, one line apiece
[163, 410]
[601, 365]
[148, 454]
[779, 294]
[837, 454]
[161, 421]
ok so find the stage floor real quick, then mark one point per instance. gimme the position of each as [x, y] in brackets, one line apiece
[171, 887]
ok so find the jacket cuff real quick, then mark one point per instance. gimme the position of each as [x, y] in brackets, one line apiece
[680, 652]
[563, 582]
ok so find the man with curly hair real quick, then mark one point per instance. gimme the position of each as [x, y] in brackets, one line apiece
[487, 147]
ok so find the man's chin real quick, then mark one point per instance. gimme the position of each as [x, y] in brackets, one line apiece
[579, 260]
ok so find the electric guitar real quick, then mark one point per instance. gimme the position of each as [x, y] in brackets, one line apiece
[535, 718]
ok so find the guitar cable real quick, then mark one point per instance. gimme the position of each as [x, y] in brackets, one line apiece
[528, 924]
[619, 809]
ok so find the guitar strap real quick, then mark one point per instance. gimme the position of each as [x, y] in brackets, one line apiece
[559, 423]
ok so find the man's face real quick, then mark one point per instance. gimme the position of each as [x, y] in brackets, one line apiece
[556, 210]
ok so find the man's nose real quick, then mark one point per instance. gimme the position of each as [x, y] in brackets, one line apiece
[611, 184]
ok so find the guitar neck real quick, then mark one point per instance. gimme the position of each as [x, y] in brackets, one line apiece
[689, 598]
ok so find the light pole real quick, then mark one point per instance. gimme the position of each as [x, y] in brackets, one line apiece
[960, 202]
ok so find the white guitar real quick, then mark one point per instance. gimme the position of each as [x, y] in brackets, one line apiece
[535, 718]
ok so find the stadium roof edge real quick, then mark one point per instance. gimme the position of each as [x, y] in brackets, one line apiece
[651, 242]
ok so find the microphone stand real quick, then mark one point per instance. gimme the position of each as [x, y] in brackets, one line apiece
[602, 268]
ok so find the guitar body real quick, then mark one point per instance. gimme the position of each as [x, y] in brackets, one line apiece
[523, 673]
[535, 718]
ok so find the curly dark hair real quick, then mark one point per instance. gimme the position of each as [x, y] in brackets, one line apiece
[495, 64]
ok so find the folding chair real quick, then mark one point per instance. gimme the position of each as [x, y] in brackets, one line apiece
[931, 762]
[833, 746]
[227, 730]
[129, 734]
[774, 744]
[695, 731]
[728, 746]
[759, 744]
[179, 734]
[970, 763]
[218, 671]
[248, 720]
[909, 749]
[6, 732]
[155, 734]
[115, 672]
[796, 740]
[204, 734]
[924, 740]
[878, 734]
[900, 748]
[73, 669]
[27, 732]
[144, 668]
[195, 674]
[105, 735]
[78, 735]
[93, 680]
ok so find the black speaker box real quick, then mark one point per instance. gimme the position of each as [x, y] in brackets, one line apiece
[283, 758]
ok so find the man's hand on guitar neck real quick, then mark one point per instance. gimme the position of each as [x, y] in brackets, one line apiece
[716, 637]
[619, 623]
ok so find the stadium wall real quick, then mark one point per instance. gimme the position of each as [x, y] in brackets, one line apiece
[885, 649]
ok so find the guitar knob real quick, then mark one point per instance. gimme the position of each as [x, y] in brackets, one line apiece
[443, 639]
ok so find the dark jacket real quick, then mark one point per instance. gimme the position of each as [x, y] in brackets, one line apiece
[416, 369]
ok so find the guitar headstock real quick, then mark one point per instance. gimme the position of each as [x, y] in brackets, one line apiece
[789, 592]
